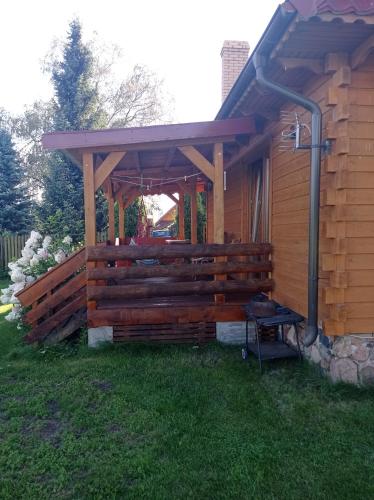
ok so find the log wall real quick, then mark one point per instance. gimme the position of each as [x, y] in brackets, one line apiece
[346, 302]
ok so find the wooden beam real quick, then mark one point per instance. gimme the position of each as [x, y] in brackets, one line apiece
[152, 136]
[107, 167]
[257, 143]
[121, 219]
[362, 52]
[218, 194]
[101, 253]
[218, 209]
[89, 199]
[138, 165]
[193, 216]
[159, 315]
[181, 233]
[111, 225]
[179, 271]
[314, 65]
[147, 290]
[172, 197]
[198, 160]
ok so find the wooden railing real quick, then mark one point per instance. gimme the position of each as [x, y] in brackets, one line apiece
[57, 297]
[101, 284]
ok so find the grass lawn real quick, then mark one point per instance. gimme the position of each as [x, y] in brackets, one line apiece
[176, 422]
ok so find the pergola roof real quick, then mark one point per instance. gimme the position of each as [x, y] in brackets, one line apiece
[162, 152]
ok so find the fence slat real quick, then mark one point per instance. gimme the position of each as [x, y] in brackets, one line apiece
[10, 249]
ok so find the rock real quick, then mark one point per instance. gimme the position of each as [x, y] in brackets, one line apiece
[342, 347]
[325, 353]
[343, 370]
[315, 355]
[360, 352]
[325, 364]
[367, 375]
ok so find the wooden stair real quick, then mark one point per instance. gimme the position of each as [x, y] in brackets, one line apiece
[57, 300]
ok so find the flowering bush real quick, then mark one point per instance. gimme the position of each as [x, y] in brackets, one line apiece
[39, 256]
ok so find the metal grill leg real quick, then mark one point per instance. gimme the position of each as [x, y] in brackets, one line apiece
[258, 346]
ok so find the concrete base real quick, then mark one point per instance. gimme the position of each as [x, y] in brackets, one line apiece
[233, 332]
[100, 335]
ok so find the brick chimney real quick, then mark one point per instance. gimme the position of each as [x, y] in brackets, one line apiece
[234, 56]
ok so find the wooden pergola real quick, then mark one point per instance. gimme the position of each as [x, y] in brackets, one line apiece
[161, 159]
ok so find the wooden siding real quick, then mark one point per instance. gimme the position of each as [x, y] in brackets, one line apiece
[351, 200]
[236, 203]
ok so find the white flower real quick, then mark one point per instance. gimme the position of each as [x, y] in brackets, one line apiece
[17, 287]
[14, 314]
[30, 279]
[27, 253]
[59, 256]
[67, 240]
[43, 253]
[17, 275]
[12, 265]
[23, 261]
[47, 242]
[35, 260]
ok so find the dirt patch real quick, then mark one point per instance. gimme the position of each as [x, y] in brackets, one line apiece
[103, 385]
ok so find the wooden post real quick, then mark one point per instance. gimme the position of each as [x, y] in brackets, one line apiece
[121, 219]
[89, 199]
[111, 228]
[193, 215]
[218, 209]
[181, 235]
[218, 195]
[209, 216]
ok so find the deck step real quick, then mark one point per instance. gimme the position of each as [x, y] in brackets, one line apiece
[200, 332]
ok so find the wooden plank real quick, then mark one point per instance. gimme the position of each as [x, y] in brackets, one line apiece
[197, 159]
[361, 53]
[139, 137]
[42, 330]
[121, 219]
[107, 167]
[53, 300]
[89, 199]
[157, 315]
[180, 270]
[218, 195]
[193, 217]
[97, 253]
[146, 290]
[181, 230]
[111, 223]
[52, 278]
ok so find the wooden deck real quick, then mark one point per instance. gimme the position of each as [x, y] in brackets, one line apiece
[177, 299]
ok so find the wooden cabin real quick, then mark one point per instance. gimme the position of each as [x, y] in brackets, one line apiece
[254, 162]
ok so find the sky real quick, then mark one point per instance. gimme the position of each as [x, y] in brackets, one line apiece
[179, 41]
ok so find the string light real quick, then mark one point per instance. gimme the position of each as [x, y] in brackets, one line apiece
[151, 179]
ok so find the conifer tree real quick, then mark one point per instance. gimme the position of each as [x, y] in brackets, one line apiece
[14, 203]
[75, 108]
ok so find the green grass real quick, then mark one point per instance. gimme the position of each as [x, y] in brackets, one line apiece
[176, 422]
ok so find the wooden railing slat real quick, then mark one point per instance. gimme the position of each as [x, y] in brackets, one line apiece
[178, 271]
[52, 278]
[176, 288]
[123, 252]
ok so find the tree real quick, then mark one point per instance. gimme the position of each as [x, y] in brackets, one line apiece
[14, 202]
[75, 108]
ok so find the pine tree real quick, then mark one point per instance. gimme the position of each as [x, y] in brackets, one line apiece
[75, 106]
[14, 203]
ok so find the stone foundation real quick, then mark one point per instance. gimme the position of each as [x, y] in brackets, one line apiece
[343, 359]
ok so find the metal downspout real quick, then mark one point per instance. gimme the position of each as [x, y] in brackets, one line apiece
[259, 62]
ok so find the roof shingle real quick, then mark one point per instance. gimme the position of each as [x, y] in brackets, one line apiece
[308, 8]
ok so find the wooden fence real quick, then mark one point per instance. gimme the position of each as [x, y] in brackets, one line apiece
[10, 249]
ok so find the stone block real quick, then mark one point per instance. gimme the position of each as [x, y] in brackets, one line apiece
[367, 374]
[100, 335]
[233, 332]
[343, 370]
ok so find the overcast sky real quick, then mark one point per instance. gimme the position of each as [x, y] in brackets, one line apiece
[179, 40]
